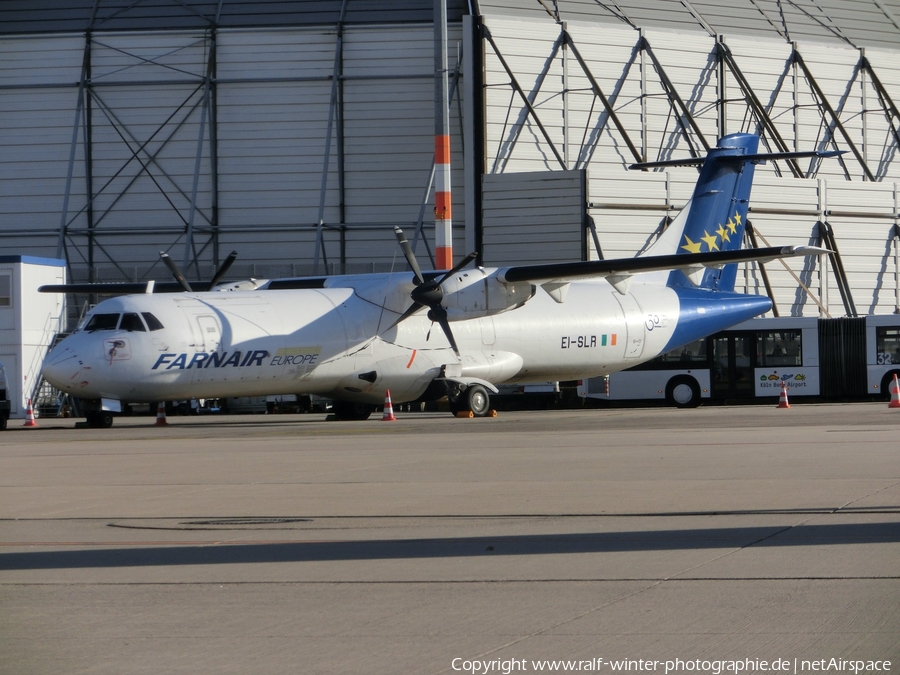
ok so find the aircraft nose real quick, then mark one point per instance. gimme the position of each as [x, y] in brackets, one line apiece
[60, 365]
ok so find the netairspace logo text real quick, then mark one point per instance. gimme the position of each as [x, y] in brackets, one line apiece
[708, 667]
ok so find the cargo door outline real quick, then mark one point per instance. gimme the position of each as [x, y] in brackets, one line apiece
[210, 333]
[634, 325]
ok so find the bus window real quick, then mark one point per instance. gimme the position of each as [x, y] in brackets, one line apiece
[887, 345]
[691, 353]
[780, 348]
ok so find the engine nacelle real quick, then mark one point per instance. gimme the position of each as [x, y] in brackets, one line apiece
[473, 293]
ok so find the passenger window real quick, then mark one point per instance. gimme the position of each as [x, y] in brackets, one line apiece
[887, 345]
[152, 322]
[131, 321]
[102, 322]
[781, 348]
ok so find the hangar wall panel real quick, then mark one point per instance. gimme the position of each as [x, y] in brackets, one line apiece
[273, 95]
[533, 217]
[786, 208]
[46, 60]
[609, 52]
[34, 155]
[143, 158]
[691, 69]
[147, 57]
[272, 100]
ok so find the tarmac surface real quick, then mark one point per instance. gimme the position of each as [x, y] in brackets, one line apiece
[720, 539]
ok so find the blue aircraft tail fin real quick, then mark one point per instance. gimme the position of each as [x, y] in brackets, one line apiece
[717, 213]
[715, 217]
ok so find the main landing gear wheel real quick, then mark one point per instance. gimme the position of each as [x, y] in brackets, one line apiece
[683, 392]
[347, 410]
[100, 420]
[475, 398]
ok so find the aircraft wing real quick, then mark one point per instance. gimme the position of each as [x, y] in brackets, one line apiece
[121, 288]
[626, 267]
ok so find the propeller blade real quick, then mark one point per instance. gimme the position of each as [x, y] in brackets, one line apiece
[173, 268]
[440, 314]
[413, 308]
[223, 268]
[456, 268]
[410, 256]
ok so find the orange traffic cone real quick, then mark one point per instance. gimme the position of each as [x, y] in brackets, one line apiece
[895, 393]
[161, 414]
[782, 400]
[388, 408]
[29, 416]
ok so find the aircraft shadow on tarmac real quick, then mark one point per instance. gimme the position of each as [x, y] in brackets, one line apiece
[457, 547]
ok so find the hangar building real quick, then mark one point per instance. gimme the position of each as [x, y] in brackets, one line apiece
[300, 132]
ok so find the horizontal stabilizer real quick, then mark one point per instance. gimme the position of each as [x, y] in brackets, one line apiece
[755, 157]
[564, 272]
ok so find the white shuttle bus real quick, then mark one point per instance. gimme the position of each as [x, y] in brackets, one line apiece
[851, 358]
[882, 353]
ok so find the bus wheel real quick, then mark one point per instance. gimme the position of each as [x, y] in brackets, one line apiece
[683, 392]
[886, 382]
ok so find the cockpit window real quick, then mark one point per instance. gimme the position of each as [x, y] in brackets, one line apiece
[102, 322]
[152, 322]
[131, 321]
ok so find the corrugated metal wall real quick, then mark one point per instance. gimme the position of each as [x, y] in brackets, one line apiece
[638, 71]
[532, 218]
[272, 96]
[262, 144]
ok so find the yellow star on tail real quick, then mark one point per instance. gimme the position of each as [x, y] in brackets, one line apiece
[732, 226]
[723, 232]
[711, 241]
[691, 247]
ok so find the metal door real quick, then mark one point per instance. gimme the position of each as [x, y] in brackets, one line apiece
[733, 362]
[210, 333]
[634, 326]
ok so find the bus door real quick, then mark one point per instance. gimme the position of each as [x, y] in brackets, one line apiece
[731, 375]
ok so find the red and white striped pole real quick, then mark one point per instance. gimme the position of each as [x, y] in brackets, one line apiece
[443, 211]
[443, 217]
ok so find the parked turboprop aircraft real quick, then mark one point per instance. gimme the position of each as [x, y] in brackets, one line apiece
[350, 338]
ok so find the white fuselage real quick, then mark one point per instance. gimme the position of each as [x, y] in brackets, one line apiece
[320, 341]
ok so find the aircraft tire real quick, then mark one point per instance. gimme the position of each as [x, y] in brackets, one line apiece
[683, 392]
[349, 411]
[100, 420]
[475, 398]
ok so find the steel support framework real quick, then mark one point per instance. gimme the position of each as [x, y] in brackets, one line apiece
[689, 128]
[199, 233]
[84, 242]
[756, 112]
